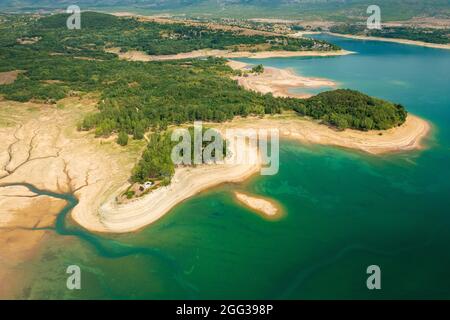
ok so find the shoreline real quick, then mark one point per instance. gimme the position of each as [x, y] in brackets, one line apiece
[395, 40]
[76, 169]
[75, 159]
[188, 182]
[168, 19]
[278, 81]
[407, 137]
[97, 210]
[134, 55]
[263, 206]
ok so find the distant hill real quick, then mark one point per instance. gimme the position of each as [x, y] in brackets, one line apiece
[336, 10]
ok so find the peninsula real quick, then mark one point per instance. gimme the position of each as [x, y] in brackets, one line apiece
[102, 99]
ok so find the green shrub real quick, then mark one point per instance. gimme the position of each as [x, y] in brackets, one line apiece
[122, 139]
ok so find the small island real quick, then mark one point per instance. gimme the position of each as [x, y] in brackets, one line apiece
[266, 207]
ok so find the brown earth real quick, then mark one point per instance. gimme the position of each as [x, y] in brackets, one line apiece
[9, 76]
[41, 146]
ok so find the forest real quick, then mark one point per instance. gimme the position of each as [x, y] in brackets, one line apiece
[135, 97]
[307, 10]
[101, 31]
[345, 108]
[156, 164]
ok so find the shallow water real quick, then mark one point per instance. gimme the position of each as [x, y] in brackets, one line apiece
[344, 211]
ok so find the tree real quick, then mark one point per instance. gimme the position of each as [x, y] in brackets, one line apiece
[138, 132]
[339, 121]
[122, 139]
[258, 69]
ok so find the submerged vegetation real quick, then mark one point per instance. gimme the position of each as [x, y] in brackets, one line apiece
[139, 96]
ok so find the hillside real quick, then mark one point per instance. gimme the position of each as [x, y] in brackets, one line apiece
[136, 96]
[337, 10]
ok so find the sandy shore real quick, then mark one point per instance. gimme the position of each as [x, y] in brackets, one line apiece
[58, 158]
[186, 182]
[278, 81]
[132, 216]
[41, 146]
[142, 56]
[402, 41]
[409, 136]
[287, 54]
[265, 207]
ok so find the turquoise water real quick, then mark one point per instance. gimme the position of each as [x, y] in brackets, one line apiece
[344, 211]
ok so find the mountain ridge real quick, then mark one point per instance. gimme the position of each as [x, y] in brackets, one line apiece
[331, 9]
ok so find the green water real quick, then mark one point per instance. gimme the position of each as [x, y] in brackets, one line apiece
[344, 211]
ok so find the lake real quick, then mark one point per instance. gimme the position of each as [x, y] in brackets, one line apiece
[345, 211]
